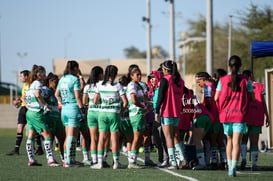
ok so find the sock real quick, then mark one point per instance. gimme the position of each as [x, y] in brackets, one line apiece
[178, 148]
[116, 157]
[213, 153]
[147, 151]
[172, 156]
[30, 149]
[254, 156]
[229, 163]
[71, 144]
[18, 142]
[105, 155]
[234, 164]
[48, 149]
[243, 150]
[201, 156]
[94, 156]
[85, 154]
[65, 156]
[223, 155]
[100, 157]
[133, 156]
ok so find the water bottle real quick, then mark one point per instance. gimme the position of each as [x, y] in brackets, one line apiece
[17, 105]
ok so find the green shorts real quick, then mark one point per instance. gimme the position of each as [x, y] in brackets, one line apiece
[53, 119]
[36, 121]
[253, 129]
[230, 128]
[203, 121]
[71, 115]
[169, 121]
[92, 119]
[215, 127]
[127, 127]
[109, 122]
[138, 122]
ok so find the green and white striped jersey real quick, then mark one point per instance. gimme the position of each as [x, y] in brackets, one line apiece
[31, 99]
[110, 96]
[137, 89]
[67, 85]
[90, 90]
[49, 96]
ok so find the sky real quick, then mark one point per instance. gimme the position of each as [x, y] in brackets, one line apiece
[37, 31]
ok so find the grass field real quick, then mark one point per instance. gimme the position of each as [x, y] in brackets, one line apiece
[15, 168]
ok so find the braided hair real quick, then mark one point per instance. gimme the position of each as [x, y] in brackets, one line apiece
[111, 71]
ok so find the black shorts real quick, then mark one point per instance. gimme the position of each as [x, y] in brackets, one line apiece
[22, 115]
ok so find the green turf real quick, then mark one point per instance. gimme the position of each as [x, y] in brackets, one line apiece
[15, 168]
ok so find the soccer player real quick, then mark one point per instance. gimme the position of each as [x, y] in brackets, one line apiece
[169, 105]
[254, 121]
[22, 121]
[95, 78]
[204, 80]
[232, 94]
[53, 118]
[68, 93]
[137, 110]
[35, 116]
[110, 94]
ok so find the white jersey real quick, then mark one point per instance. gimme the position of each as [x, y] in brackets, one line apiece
[31, 99]
[90, 89]
[110, 96]
[137, 89]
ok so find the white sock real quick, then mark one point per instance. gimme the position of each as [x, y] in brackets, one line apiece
[48, 149]
[30, 150]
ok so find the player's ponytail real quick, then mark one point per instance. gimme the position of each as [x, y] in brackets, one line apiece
[235, 64]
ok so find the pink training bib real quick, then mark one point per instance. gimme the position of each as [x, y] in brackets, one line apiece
[233, 105]
[172, 104]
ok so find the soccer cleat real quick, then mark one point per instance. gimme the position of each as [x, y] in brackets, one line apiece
[232, 172]
[183, 164]
[73, 164]
[96, 166]
[149, 163]
[34, 164]
[39, 151]
[134, 165]
[163, 164]
[54, 164]
[105, 164]
[118, 166]
[254, 168]
[213, 166]
[199, 167]
[223, 166]
[243, 164]
[13, 152]
[172, 167]
[87, 162]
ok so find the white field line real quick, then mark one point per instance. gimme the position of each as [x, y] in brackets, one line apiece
[255, 173]
[168, 171]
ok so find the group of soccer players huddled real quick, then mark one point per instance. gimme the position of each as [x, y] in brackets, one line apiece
[188, 131]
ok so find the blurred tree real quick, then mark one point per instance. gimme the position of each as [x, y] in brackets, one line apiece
[255, 24]
[157, 52]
